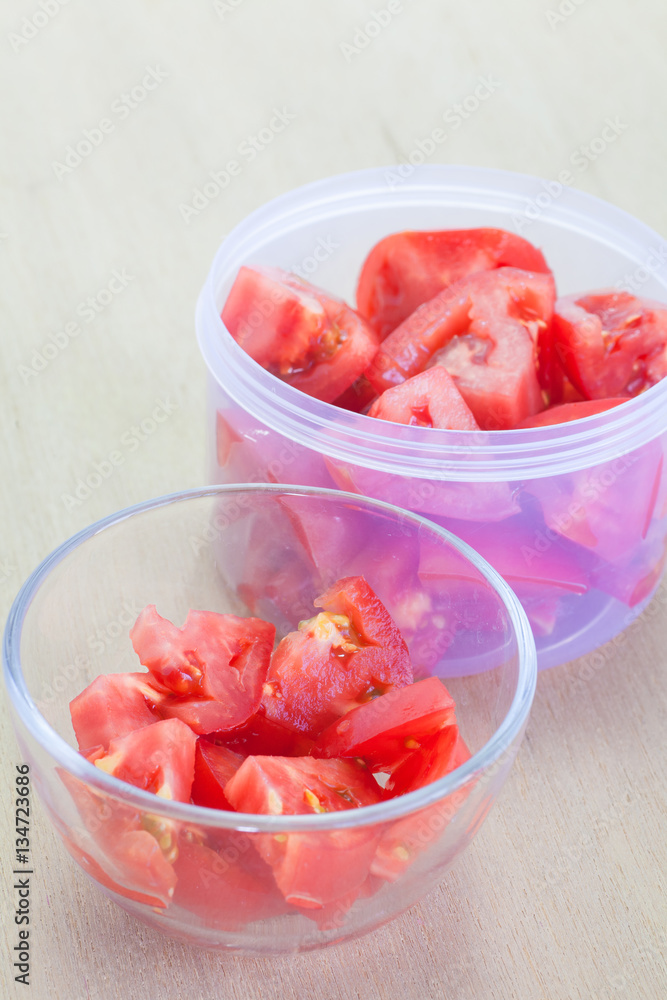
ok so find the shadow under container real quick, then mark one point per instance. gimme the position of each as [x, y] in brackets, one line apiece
[199, 874]
[574, 516]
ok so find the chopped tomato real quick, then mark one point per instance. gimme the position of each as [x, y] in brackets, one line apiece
[611, 343]
[215, 665]
[484, 331]
[315, 868]
[114, 705]
[386, 731]
[404, 270]
[404, 840]
[309, 339]
[223, 894]
[429, 399]
[117, 848]
[214, 766]
[349, 653]
[159, 758]
[260, 736]
[606, 508]
[565, 412]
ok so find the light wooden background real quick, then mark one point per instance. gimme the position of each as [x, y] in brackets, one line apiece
[561, 896]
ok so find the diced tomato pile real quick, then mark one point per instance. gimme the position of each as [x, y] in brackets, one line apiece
[457, 329]
[329, 720]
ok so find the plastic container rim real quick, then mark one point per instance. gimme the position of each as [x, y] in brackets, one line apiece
[57, 747]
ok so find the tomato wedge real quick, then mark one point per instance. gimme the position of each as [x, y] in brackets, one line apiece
[214, 666]
[311, 340]
[310, 869]
[158, 758]
[484, 331]
[114, 705]
[565, 412]
[407, 269]
[386, 731]
[429, 399]
[348, 653]
[221, 894]
[611, 343]
[405, 839]
[214, 767]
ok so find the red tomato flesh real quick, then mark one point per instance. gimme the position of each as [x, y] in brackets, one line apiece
[310, 869]
[215, 665]
[387, 730]
[566, 412]
[214, 767]
[158, 758]
[404, 270]
[484, 331]
[429, 399]
[114, 705]
[341, 657]
[611, 343]
[311, 340]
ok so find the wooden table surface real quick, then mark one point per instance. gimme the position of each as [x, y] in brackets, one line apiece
[561, 896]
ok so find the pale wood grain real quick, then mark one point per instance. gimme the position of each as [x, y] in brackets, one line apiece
[561, 896]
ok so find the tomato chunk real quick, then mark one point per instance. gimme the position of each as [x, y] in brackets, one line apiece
[220, 893]
[114, 705]
[215, 665]
[405, 839]
[565, 412]
[611, 343]
[484, 331]
[348, 653]
[158, 758]
[387, 730]
[310, 869]
[429, 399]
[311, 340]
[214, 767]
[404, 270]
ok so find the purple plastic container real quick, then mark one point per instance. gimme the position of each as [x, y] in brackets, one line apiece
[572, 515]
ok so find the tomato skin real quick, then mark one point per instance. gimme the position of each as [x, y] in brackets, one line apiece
[438, 755]
[565, 412]
[310, 869]
[114, 705]
[214, 666]
[429, 399]
[387, 730]
[611, 343]
[214, 766]
[318, 672]
[484, 331]
[406, 269]
[311, 340]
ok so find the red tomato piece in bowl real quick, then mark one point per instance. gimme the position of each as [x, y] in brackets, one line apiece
[214, 666]
[611, 343]
[309, 339]
[386, 731]
[214, 767]
[114, 705]
[311, 869]
[404, 270]
[484, 330]
[429, 399]
[347, 654]
[565, 412]
[158, 758]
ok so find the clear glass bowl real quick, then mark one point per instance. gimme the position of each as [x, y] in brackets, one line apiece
[574, 516]
[278, 547]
